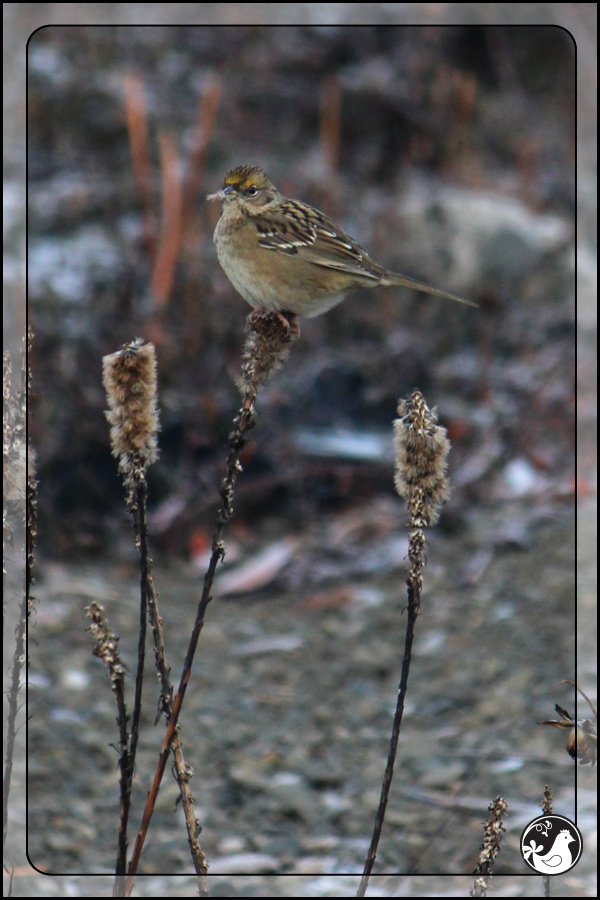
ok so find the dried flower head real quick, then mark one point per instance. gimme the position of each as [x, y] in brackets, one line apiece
[490, 849]
[106, 643]
[266, 349]
[421, 460]
[421, 451]
[129, 378]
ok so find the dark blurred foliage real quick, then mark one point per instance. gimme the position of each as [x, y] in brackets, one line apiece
[423, 112]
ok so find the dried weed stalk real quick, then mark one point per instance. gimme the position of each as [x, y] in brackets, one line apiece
[421, 464]
[31, 499]
[547, 811]
[16, 509]
[130, 382]
[129, 378]
[267, 346]
[14, 452]
[106, 649]
[490, 849]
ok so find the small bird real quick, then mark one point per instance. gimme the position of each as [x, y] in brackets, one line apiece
[286, 257]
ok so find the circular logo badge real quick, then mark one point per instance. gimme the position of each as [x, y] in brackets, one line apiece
[551, 845]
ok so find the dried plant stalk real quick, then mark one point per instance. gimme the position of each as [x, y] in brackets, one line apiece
[18, 507]
[267, 346]
[31, 496]
[547, 811]
[129, 378]
[422, 448]
[107, 650]
[14, 450]
[130, 381]
[490, 849]
[547, 802]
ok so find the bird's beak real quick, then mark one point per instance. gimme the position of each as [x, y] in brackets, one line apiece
[223, 194]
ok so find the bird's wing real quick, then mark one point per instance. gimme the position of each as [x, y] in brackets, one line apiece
[308, 234]
[554, 860]
[302, 231]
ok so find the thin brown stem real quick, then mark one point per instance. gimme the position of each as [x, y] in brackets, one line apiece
[182, 771]
[413, 612]
[19, 502]
[106, 649]
[18, 662]
[421, 451]
[128, 753]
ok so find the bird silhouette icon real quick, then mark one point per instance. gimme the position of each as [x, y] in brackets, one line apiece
[558, 858]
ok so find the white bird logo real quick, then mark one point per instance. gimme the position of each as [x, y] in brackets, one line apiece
[558, 857]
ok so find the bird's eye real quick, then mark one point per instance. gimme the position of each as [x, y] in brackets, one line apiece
[251, 191]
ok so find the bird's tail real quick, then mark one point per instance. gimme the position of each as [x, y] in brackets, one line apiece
[393, 278]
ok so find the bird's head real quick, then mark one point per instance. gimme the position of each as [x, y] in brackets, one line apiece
[248, 189]
[566, 836]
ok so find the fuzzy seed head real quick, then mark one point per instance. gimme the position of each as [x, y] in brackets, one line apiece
[267, 347]
[129, 378]
[493, 830]
[422, 448]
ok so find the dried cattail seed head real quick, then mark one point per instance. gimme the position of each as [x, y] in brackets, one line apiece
[422, 448]
[129, 378]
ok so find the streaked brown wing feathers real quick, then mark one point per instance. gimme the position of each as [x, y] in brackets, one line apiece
[314, 238]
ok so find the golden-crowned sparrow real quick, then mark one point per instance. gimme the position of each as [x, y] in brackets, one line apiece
[284, 256]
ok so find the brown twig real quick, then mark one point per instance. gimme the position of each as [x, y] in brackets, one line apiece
[106, 649]
[18, 662]
[31, 511]
[182, 771]
[139, 513]
[547, 811]
[421, 451]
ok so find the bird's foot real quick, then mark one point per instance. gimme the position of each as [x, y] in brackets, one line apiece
[291, 320]
[285, 323]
